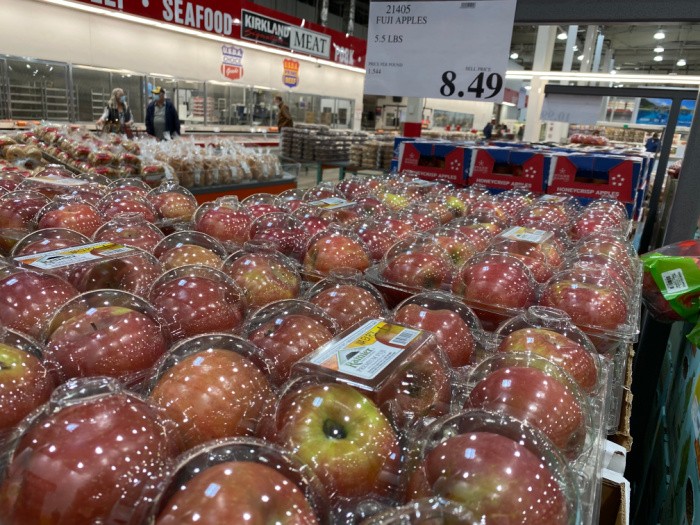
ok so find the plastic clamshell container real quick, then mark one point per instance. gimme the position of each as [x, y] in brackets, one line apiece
[131, 184]
[189, 247]
[334, 249]
[130, 229]
[377, 236]
[428, 511]
[283, 230]
[124, 201]
[47, 240]
[71, 212]
[260, 204]
[533, 247]
[173, 203]
[17, 211]
[225, 220]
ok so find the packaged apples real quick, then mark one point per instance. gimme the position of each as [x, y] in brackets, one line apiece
[70, 212]
[495, 467]
[195, 299]
[130, 229]
[456, 328]
[124, 201]
[555, 212]
[457, 244]
[290, 199]
[479, 228]
[94, 454]
[323, 190]
[255, 482]
[603, 247]
[427, 511]
[264, 274]
[131, 184]
[534, 390]
[47, 240]
[603, 216]
[174, 203]
[17, 209]
[514, 201]
[286, 331]
[334, 249]
[225, 220]
[312, 218]
[260, 204]
[187, 247]
[377, 236]
[106, 333]
[282, 230]
[213, 386]
[347, 298]
[535, 248]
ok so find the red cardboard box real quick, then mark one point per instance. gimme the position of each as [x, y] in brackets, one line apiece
[434, 161]
[503, 169]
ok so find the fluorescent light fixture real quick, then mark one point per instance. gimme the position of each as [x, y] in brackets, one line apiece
[658, 49]
[528, 88]
[575, 48]
[659, 35]
[561, 36]
[626, 78]
[613, 72]
[681, 62]
[514, 55]
[508, 104]
[658, 58]
[580, 57]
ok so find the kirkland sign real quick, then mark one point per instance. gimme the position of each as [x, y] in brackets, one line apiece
[266, 30]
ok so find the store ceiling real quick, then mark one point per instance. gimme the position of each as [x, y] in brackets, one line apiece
[632, 47]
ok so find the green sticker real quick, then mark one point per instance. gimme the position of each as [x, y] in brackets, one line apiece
[694, 335]
[678, 279]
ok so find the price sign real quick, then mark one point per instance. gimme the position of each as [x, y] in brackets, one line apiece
[439, 49]
[574, 109]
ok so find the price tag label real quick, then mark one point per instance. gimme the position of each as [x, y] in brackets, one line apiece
[78, 254]
[439, 49]
[58, 181]
[331, 203]
[520, 233]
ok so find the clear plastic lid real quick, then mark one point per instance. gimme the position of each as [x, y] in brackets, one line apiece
[442, 207]
[549, 332]
[260, 204]
[417, 262]
[546, 215]
[470, 195]
[610, 246]
[496, 285]
[290, 199]
[353, 187]
[72, 213]
[611, 207]
[355, 450]
[496, 467]
[29, 378]
[608, 268]
[536, 391]
[370, 206]
[427, 511]
[492, 208]
[130, 229]
[46, 240]
[195, 299]
[420, 217]
[106, 333]
[90, 193]
[241, 480]
[535, 255]
[282, 230]
[9, 180]
[30, 299]
[394, 197]
[131, 184]
[264, 274]
[324, 190]
[189, 247]
[123, 201]
[599, 220]
[479, 228]
[377, 236]
[347, 298]
[174, 203]
[401, 225]
[94, 454]
[456, 327]
[334, 249]
[312, 218]
[212, 386]
[456, 243]
[286, 331]
[225, 220]
[17, 211]
[514, 201]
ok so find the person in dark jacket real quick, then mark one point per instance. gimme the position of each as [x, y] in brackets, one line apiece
[162, 120]
[488, 129]
[284, 117]
[116, 117]
[653, 143]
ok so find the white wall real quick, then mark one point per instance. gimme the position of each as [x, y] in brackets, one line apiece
[44, 31]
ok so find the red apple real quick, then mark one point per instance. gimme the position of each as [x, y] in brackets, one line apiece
[334, 251]
[212, 394]
[544, 216]
[530, 254]
[421, 270]
[376, 237]
[76, 216]
[17, 209]
[108, 340]
[286, 339]
[258, 210]
[29, 300]
[264, 277]
[314, 225]
[559, 349]
[597, 221]
[225, 223]
[173, 205]
[187, 254]
[132, 273]
[348, 304]
[88, 462]
[130, 230]
[197, 304]
[401, 227]
[453, 334]
[343, 437]
[531, 395]
[48, 240]
[288, 241]
[498, 479]
[246, 492]
[456, 244]
[119, 202]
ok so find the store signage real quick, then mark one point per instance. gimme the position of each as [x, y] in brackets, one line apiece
[232, 62]
[290, 75]
[574, 109]
[266, 30]
[439, 49]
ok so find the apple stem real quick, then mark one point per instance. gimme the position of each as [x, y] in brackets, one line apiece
[334, 430]
[94, 327]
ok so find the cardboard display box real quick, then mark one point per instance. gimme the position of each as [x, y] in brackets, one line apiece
[501, 169]
[435, 160]
[615, 499]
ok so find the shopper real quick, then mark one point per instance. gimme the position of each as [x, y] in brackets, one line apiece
[488, 129]
[653, 143]
[162, 120]
[116, 117]
[284, 117]
[521, 133]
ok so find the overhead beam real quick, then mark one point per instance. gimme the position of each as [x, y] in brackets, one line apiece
[606, 11]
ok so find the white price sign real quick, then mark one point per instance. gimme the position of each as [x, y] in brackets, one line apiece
[574, 109]
[439, 49]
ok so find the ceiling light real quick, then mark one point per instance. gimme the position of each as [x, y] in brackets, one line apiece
[659, 35]
[528, 88]
[658, 49]
[658, 58]
[561, 36]
[613, 72]
[580, 57]
[681, 62]
[514, 55]
[575, 48]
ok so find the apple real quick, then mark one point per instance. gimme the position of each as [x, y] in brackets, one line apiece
[187, 254]
[336, 250]
[258, 210]
[132, 273]
[264, 277]
[564, 352]
[173, 205]
[284, 232]
[456, 244]
[498, 479]
[370, 206]
[107, 340]
[420, 270]
[396, 223]
[130, 229]
[246, 492]
[48, 240]
[420, 219]
[25, 384]
[30, 298]
[123, 201]
[224, 221]
[87, 462]
[597, 221]
[478, 233]
[193, 304]
[75, 216]
[348, 304]
[214, 393]
[314, 225]
[453, 334]
[9, 180]
[343, 436]
[285, 339]
[132, 184]
[17, 209]
[588, 304]
[377, 238]
[530, 254]
[394, 201]
[536, 397]
[490, 207]
[544, 216]
[290, 199]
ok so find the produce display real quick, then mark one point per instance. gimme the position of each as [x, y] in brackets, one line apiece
[370, 351]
